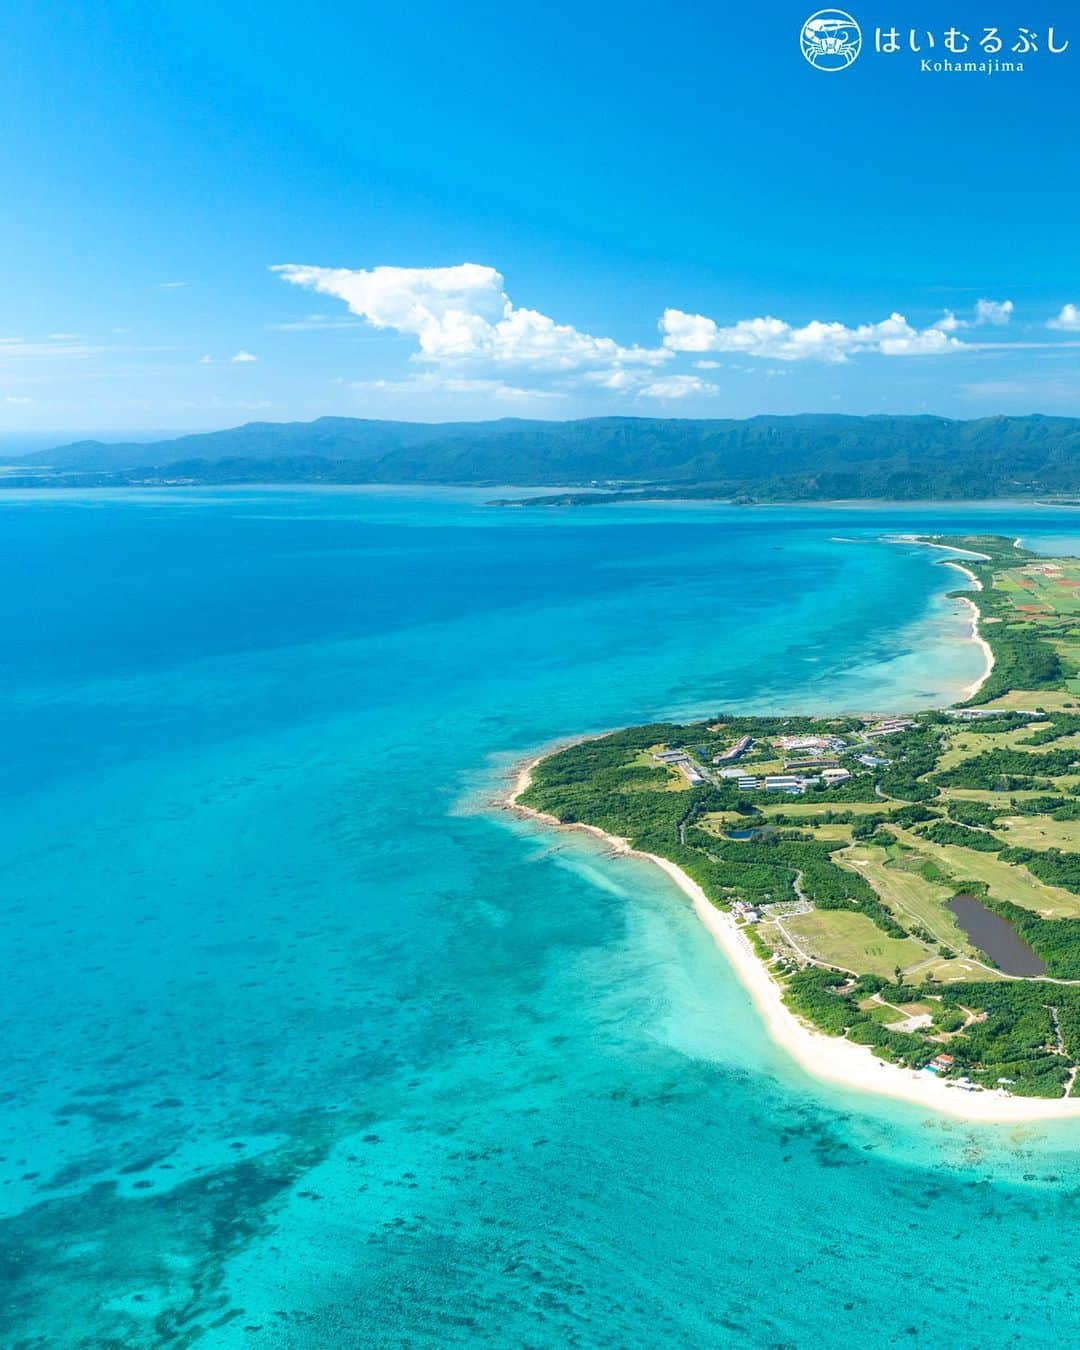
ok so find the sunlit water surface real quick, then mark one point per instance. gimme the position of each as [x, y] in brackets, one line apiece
[306, 1046]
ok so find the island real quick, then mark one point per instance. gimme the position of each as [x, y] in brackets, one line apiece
[901, 891]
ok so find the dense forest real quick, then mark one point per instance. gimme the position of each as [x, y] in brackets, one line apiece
[808, 457]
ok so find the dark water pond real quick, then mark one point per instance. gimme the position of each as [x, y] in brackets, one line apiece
[995, 936]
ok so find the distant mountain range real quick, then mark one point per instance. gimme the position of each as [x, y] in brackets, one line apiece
[807, 457]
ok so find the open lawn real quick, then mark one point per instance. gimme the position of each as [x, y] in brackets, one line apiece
[720, 822]
[958, 971]
[1040, 832]
[966, 744]
[808, 810]
[831, 833]
[851, 941]
[1052, 700]
[1006, 881]
[913, 899]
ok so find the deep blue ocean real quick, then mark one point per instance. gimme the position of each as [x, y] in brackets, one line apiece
[305, 1044]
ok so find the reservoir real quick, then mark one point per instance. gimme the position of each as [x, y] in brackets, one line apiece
[996, 937]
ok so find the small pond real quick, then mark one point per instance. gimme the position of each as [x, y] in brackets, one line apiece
[995, 936]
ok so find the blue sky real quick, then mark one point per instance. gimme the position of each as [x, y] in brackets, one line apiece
[495, 210]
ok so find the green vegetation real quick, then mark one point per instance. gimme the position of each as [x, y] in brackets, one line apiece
[807, 457]
[845, 890]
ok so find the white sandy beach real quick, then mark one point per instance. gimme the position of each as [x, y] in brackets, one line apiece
[826, 1057]
[984, 646]
[972, 689]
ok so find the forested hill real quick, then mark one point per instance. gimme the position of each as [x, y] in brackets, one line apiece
[763, 458]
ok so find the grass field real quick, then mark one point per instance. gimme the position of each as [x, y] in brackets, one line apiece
[719, 822]
[850, 941]
[808, 810]
[966, 744]
[913, 899]
[1006, 881]
[1040, 832]
[1052, 700]
[832, 833]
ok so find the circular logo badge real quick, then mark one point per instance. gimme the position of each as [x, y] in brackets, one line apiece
[830, 39]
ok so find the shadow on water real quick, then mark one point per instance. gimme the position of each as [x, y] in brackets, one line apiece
[996, 937]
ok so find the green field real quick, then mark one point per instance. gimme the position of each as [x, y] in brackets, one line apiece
[1040, 832]
[1006, 881]
[914, 900]
[1051, 587]
[852, 942]
[965, 744]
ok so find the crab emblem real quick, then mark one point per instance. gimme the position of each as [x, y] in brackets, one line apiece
[830, 39]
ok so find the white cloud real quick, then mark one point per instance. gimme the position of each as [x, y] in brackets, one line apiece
[10, 346]
[171, 285]
[462, 314]
[432, 382]
[994, 312]
[206, 360]
[64, 337]
[242, 358]
[816, 341]
[678, 386]
[16, 398]
[1068, 319]
[314, 323]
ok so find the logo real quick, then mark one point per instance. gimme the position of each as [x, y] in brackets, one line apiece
[830, 39]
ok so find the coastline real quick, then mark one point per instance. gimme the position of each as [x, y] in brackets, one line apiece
[976, 636]
[969, 691]
[829, 1058]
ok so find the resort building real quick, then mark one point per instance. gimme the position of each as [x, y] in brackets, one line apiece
[737, 750]
[890, 726]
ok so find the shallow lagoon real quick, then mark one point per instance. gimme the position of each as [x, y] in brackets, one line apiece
[308, 1047]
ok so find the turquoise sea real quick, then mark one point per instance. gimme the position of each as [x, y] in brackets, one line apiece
[305, 1045]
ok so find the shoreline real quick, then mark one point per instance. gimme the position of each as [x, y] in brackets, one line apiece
[972, 689]
[969, 691]
[832, 1059]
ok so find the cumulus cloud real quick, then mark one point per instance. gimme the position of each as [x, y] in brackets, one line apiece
[1068, 319]
[462, 314]
[816, 341]
[994, 312]
[242, 358]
